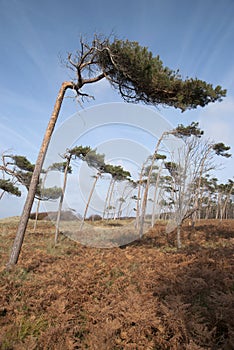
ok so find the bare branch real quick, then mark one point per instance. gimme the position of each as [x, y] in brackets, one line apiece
[69, 57]
[95, 79]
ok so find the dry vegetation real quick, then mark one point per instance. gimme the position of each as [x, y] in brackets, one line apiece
[146, 295]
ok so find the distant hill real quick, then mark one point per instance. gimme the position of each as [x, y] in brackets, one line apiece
[52, 215]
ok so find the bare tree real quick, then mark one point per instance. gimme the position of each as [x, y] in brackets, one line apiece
[207, 151]
[156, 186]
[129, 187]
[180, 131]
[183, 173]
[192, 164]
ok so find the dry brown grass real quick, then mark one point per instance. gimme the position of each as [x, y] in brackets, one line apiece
[143, 296]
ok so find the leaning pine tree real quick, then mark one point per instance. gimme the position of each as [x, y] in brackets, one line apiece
[137, 75]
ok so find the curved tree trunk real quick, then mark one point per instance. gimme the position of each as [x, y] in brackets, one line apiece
[145, 197]
[224, 207]
[110, 198]
[121, 201]
[89, 199]
[106, 200]
[179, 236]
[36, 215]
[120, 210]
[15, 252]
[198, 195]
[155, 196]
[61, 199]
[138, 200]
[39, 203]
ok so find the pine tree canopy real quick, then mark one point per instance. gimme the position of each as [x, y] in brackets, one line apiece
[23, 163]
[141, 77]
[221, 150]
[182, 131]
[50, 193]
[7, 185]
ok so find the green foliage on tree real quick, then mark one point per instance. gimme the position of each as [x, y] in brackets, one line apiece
[221, 150]
[95, 160]
[193, 129]
[60, 167]
[173, 168]
[79, 152]
[21, 169]
[141, 77]
[160, 156]
[7, 186]
[23, 163]
[50, 193]
[117, 172]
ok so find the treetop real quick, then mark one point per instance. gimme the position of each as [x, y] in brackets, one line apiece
[141, 77]
[138, 75]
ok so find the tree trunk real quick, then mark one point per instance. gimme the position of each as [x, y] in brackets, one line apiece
[179, 236]
[110, 198]
[106, 200]
[155, 195]
[224, 207]
[138, 197]
[121, 201]
[36, 215]
[39, 203]
[61, 200]
[218, 206]
[144, 203]
[124, 200]
[197, 202]
[89, 199]
[120, 208]
[15, 252]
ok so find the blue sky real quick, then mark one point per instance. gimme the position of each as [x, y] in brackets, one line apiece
[195, 36]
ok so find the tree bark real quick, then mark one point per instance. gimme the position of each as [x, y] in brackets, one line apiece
[155, 195]
[39, 203]
[138, 197]
[2, 194]
[224, 207]
[89, 199]
[145, 197]
[124, 199]
[36, 215]
[61, 199]
[15, 252]
[110, 198]
[106, 200]
[179, 236]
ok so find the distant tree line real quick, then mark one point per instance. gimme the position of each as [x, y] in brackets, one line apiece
[173, 187]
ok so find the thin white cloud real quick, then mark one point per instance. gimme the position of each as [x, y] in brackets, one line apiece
[21, 100]
[218, 123]
[217, 120]
[11, 139]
